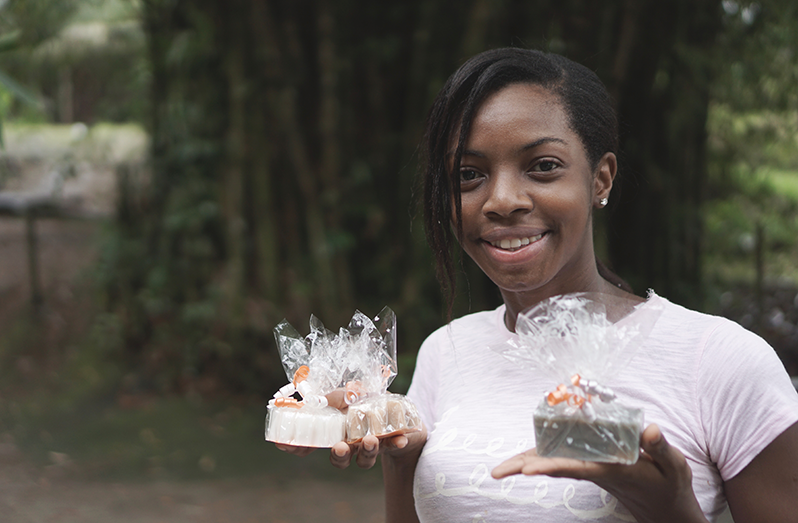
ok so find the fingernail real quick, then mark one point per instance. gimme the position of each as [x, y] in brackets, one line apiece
[657, 439]
[369, 448]
[339, 452]
[402, 443]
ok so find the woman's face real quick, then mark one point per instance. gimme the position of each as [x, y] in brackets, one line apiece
[527, 190]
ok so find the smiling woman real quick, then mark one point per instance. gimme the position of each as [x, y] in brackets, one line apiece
[521, 150]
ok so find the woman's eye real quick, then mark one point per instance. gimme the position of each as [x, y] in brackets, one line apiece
[468, 175]
[546, 165]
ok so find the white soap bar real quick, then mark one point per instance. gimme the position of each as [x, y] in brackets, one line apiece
[305, 427]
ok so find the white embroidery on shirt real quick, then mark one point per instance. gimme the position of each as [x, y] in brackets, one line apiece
[480, 473]
[444, 441]
[447, 441]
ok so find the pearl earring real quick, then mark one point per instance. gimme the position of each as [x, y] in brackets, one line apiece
[603, 202]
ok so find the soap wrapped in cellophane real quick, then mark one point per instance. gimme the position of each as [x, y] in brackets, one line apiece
[575, 422]
[582, 342]
[298, 414]
[359, 362]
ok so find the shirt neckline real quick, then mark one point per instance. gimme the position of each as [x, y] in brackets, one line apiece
[651, 299]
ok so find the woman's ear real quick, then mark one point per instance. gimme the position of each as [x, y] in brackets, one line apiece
[605, 175]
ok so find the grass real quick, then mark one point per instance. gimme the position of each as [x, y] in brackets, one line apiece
[160, 438]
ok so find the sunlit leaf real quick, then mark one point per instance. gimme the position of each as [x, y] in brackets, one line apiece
[20, 92]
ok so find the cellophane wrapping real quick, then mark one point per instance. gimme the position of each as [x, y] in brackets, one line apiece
[371, 367]
[359, 362]
[582, 342]
[382, 416]
[612, 436]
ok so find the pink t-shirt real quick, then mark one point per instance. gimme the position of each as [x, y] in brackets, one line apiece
[718, 392]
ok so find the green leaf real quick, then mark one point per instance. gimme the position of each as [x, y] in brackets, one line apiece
[20, 92]
[10, 40]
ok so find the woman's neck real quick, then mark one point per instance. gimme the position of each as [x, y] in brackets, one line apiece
[517, 302]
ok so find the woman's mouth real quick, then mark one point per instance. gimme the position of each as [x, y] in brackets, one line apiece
[512, 244]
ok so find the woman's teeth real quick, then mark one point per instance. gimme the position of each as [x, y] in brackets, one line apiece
[515, 243]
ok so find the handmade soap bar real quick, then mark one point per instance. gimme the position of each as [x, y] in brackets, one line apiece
[381, 416]
[612, 437]
[305, 427]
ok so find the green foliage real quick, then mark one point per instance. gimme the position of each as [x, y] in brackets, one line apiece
[106, 10]
[751, 195]
[86, 64]
[754, 139]
[37, 20]
[753, 130]
[757, 56]
[5, 103]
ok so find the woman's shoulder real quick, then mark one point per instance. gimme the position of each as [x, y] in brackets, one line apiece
[715, 336]
[688, 322]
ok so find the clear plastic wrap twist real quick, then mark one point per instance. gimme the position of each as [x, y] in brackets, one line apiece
[370, 355]
[582, 341]
[359, 362]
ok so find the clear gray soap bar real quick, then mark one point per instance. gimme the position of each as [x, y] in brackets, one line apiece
[612, 437]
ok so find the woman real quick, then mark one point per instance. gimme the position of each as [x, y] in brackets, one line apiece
[521, 149]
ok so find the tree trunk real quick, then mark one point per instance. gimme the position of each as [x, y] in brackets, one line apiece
[663, 97]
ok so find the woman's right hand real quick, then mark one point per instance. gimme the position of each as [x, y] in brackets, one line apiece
[366, 451]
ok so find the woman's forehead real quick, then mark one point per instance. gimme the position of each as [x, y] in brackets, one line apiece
[530, 107]
[518, 105]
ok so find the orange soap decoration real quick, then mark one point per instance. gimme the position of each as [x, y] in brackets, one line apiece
[301, 375]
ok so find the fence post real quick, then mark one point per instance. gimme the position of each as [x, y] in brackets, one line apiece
[33, 260]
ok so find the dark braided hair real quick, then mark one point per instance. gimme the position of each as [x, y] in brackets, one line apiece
[584, 98]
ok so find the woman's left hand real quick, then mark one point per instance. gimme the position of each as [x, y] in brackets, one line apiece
[658, 488]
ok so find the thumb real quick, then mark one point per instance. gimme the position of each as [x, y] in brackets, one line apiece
[668, 458]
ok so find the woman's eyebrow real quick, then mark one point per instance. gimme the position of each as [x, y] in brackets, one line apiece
[470, 152]
[467, 152]
[541, 141]
[532, 145]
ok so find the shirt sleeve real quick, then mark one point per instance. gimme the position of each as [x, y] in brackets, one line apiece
[745, 397]
[424, 387]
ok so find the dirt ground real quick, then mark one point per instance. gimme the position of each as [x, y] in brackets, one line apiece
[34, 495]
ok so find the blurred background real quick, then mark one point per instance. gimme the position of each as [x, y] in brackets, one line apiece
[178, 176]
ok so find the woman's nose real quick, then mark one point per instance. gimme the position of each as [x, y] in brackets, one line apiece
[506, 195]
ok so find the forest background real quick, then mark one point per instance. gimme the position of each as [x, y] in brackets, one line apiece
[269, 170]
